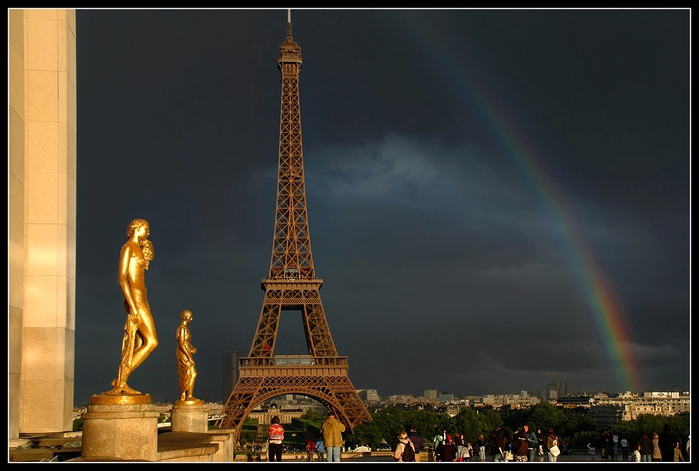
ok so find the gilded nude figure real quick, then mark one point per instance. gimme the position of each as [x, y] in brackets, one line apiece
[140, 337]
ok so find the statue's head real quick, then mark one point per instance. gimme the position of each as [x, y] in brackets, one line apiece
[135, 225]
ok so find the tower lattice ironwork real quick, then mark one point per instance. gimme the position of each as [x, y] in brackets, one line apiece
[292, 285]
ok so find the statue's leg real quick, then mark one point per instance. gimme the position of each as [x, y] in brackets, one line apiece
[125, 366]
[123, 373]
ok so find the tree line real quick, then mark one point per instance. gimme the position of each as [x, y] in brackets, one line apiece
[573, 427]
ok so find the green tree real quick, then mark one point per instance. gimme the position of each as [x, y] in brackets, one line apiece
[545, 415]
[384, 427]
[468, 423]
[370, 433]
[582, 423]
[425, 423]
[491, 420]
[248, 434]
[680, 423]
[312, 415]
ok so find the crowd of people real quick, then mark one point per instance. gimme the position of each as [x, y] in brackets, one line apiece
[526, 445]
[663, 446]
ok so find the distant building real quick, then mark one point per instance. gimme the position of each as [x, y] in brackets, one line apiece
[430, 394]
[608, 410]
[562, 388]
[285, 413]
[369, 396]
[655, 403]
[576, 401]
[400, 399]
[159, 399]
[230, 373]
[445, 397]
[555, 391]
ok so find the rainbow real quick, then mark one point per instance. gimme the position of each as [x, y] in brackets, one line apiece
[608, 315]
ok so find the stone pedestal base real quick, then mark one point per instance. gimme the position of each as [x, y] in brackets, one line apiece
[189, 416]
[120, 427]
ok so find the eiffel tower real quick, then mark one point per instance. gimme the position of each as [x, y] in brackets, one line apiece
[292, 285]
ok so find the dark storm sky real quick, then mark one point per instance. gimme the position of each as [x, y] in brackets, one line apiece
[499, 197]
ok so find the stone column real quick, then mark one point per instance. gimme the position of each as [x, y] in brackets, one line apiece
[120, 427]
[189, 416]
[42, 219]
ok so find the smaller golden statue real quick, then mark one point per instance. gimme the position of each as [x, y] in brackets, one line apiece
[140, 337]
[185, 363]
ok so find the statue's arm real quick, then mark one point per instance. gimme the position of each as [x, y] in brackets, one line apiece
[123, 277]
[182, 344]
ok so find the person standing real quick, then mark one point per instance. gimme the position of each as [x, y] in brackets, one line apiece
[435, 444]
[666, 442]
[458, 441]
[310, 449]
[275, 432]
[646, 448]
[608, 444]
[637, 457]
[468, 450]
[520, 449]
[403, 442]
[591, 451]
[624, 448]
[657, 455]
[417, 440]
[677, 453]
[499, 444]
[447, 450]
[684, 439]
[540, 441]
[551, 440]
[533, 441]
[320, 450]
[480, 444]
[332, 437]
[606, 439]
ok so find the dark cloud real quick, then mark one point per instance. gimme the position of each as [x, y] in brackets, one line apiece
[470, 174]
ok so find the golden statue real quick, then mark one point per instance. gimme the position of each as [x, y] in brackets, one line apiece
[140, 337]
[185, 363]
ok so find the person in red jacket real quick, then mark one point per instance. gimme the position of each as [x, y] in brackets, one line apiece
[446, 451]
[310, 449]
[276, 437]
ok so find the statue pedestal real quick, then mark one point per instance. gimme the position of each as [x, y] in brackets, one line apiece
[189, 416]
[121, 427]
